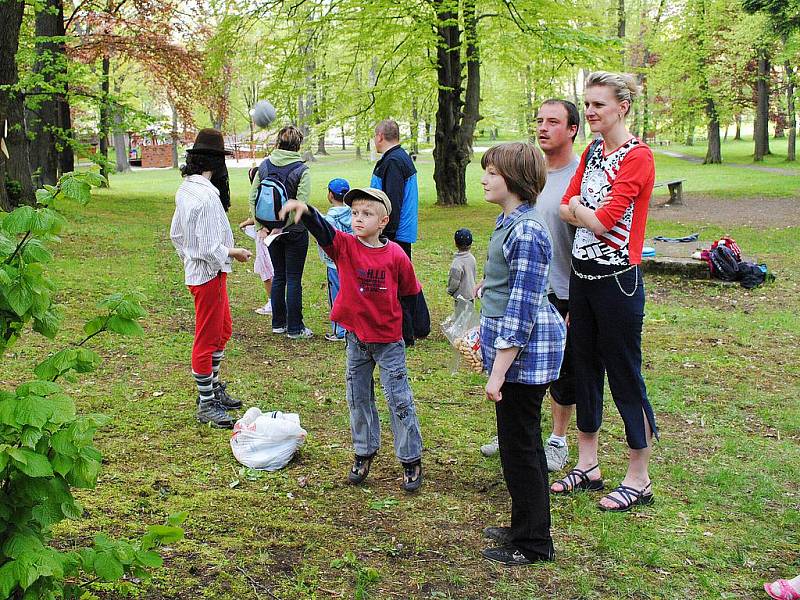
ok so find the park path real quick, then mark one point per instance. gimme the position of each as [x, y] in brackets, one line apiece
[697, 160]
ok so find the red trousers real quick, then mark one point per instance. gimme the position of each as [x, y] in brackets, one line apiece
[212, 321]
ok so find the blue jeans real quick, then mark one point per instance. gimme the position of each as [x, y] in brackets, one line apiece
[365, 425]
[288, 253]
[333, 291]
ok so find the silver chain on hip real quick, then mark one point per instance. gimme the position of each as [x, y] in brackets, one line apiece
[615, 275]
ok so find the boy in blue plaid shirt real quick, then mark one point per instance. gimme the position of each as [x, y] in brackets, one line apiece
[522, 339]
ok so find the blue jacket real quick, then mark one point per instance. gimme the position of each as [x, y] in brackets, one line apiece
[396, 175]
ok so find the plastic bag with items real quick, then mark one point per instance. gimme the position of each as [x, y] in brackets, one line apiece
[267, 441]
[463, 331]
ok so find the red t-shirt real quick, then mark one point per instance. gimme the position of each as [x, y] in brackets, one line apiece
[627, 174]
[370, 281]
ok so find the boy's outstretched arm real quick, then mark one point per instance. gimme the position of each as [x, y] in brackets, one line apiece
[312, 219]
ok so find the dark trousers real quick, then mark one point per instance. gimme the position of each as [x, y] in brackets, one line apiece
[288, 253]
[563, 389]
[519, 433]
[408, 304]
[606, 337]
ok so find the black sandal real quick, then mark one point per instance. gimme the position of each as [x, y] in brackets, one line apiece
[577, 480]
[360, 469]
[632, 497]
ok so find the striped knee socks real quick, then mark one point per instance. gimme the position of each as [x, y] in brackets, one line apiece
[205, 387]
[216, 360]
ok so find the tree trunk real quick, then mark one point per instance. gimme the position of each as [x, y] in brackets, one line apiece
[621, 29]
[579, 105]
[343, 148]
[414, 141]
[50, 66]
[738, 120]
[16, 184]
[790, 114]
[530, 117]
[176, 137]
[104, 117]
[321, 145]
[714, 152]
[455, 117]
[761, 133]
[120, 136]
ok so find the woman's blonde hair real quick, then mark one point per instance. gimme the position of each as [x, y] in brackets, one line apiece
[522, 167]
[623, 85]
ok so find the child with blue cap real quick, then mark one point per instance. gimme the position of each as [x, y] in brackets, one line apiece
[340, 217]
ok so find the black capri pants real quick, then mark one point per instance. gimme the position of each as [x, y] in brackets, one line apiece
[606, 317]
[563, 389]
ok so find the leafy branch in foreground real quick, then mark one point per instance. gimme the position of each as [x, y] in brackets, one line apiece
[46, 448]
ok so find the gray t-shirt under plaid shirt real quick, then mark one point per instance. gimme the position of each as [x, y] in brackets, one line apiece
[561, 234]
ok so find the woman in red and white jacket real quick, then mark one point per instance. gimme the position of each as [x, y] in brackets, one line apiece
[607, 201]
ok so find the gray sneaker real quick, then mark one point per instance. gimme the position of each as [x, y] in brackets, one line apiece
[211, 413]
[303, 334]
[491, 448]
[556, 456]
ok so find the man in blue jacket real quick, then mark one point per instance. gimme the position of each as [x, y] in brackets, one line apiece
[396, 175]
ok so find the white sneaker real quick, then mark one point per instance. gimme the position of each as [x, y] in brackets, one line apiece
[279, 330]
[266, 309]
[303, 335]
[556, 456]
[491, 448]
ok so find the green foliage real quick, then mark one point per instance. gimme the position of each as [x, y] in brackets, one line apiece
[46, 448]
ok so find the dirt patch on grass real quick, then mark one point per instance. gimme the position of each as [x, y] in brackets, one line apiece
[752, 212]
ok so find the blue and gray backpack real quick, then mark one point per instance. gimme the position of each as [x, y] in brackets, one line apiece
[278, 185]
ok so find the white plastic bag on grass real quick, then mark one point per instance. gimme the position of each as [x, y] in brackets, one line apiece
[267, 440]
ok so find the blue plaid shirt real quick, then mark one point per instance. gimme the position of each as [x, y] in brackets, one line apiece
[536, 328]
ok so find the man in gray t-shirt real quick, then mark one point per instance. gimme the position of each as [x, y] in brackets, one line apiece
[557, 126]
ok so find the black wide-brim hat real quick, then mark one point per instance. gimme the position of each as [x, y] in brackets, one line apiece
[209, 141]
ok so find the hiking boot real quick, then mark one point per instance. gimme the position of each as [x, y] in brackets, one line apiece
[556, 456]
[227, 401]
[501, 535]
[507, 556]
[212, 414]
[412, 476]
[303, 334]
[491, 448]
[360, 469]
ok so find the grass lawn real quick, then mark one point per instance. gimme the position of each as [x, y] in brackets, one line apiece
[720, 364]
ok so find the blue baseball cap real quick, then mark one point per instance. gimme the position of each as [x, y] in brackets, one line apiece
[339, 187]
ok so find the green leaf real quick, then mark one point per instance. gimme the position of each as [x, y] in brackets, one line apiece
[21, 541]
[32, 410]
[47, 324]
[166, 534]
[43, 221]
[19, 296]
[94, 325]
[131, 310]
[92, 178]
[72, 510]
[47, 513]
[63, 408]
[8, 408]
[84, 473]
[150, 559]
[177, 519]
[90, 453]
[19, 220]
[62, 464]
[107, 566]
[7, 245]
[30, 436]
[35, 252]
[38, 388]
[44, 197]
[35, 465]
[123, 326]
[75, 189]
[8, 579]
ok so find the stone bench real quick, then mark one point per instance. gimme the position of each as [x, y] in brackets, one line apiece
[675, 188]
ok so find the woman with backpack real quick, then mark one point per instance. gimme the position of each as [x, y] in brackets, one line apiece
[607, 200]
[289, 250]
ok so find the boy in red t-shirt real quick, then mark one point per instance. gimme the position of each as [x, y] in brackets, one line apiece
[374, 273]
